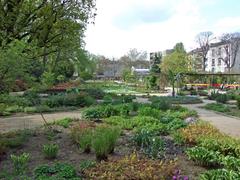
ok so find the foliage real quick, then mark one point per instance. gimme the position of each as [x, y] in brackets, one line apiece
[238, 102]
[217, 107]
[132, 167]
[177, 99]
[82, 134]
[224, 144]
[148, 111]
[20, 162]
[56, 171]
[86, 164]
[71, 99]
[204, 156]
[14, 139]
[123, 122]
[65, 122]
[50, 151]
[161, 104]
[104, 141]
[222, 98]
[217, 174]
[150, 144]
[192, 133]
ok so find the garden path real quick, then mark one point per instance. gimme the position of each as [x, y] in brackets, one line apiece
[32, 121]
[225, 124]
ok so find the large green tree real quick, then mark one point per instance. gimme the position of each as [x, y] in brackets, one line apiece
[52, 31]
[175, 64]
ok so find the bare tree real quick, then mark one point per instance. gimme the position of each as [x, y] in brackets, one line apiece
[136, 55]
[231, 43]
[203, 39]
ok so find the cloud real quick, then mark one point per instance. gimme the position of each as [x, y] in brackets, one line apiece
[151, 25]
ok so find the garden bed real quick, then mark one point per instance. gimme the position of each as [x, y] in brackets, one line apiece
[223, 108]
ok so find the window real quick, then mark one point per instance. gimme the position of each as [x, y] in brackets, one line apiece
[213, 69]
[213, 62]
[213, 52]
[219, 62]
[219, 51]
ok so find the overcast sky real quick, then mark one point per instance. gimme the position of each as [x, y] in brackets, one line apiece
[156, 25]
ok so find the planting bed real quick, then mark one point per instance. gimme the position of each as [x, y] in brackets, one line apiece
[117, 140]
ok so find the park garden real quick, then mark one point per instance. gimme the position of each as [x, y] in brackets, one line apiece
[117, 137]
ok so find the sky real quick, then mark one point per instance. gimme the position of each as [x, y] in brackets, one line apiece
[156, 25]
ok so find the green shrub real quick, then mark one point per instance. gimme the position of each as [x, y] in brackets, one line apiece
[83, 137]
[218, 174]
[30, 109]
[150, 144]
[217, 107]
[124, 123]
[148, 111]
[50, 151]
[85, 164]
[93, 113]
[65, 122]
[224, 144]
[124, 109]
[14, 109]
[222, 98]
[20, 162]
[56, 171]
[161, 104]
[204, 156]
[232, 163]
[177, 99]
[109, 110]
[104, 141]
[238, 101]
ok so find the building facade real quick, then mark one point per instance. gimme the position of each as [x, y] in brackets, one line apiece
[220, 58]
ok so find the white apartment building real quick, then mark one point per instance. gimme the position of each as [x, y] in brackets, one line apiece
[216, 56]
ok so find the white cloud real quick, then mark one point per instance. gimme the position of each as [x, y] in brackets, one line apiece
[182, 24]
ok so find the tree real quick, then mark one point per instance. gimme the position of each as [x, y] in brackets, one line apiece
[132, 56]
[231, 43]
[203, 39]
[174, 64]
[52, 30]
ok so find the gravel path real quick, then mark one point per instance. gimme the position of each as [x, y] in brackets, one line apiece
[32, 121]
[228, 125]
[225, 124]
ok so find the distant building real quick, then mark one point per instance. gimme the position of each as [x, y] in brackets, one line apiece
[140, 72]
[215, 58]
[109, 69]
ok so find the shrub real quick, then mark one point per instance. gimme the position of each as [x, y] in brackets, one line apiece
[224, 144]
[104, 141]
[20, 162]
[222, 98]
[82, 135]
[148, 111]
[132, 167]
[65, 122]
[204, 157]
[96, 93]
[14, 109]
[161, 104]
[238, 102]
[86, 164]
[217, 107]
[93, 113]
[56, 171]
[150, 144]
[30, 109]
[50, 151]
[120, 121]
[230, 162]
[217, 174]
[192, 133]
